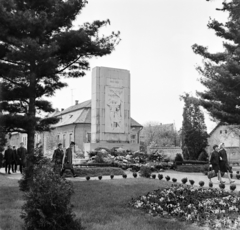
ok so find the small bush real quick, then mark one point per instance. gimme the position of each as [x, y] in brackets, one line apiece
[124, 176]
[232, 187]
[184, 180]
[47, 203]
[178, 158]
[238, 176]
[100, 177]
[135, 175]
[167, 178]
[87, 177]
[201, 183]
[174, 180]
[222, 186]
[231, 175]
[191, 182]
[160, 176]
[210, 184]
[237, 172]
[145, 171]
[112, 176]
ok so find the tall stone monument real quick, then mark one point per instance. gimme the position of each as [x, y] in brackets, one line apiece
[110, 113]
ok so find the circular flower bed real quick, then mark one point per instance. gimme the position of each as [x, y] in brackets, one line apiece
[214, 207]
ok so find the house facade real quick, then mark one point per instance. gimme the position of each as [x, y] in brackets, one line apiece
[75, 125]
[230, 136]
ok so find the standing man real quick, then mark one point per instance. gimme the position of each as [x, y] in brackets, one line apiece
[67, 160]
[8, 157]
[21, 154]
[214, 161]
[57, 158]
[15, 160]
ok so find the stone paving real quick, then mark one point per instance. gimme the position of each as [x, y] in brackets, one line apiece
[173, 174]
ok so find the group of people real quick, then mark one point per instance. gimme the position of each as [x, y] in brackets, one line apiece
[219, 162]
[13, 157]
[63, 160]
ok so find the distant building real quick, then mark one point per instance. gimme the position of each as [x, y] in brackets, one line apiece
[230, 136]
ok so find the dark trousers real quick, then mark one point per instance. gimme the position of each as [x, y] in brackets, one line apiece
[14, 166]
[7, 167]
[63, 170]
[21, 166]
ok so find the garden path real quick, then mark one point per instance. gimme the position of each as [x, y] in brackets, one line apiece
[171, 173]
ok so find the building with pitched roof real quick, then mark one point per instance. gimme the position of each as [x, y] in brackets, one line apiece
[75, 125]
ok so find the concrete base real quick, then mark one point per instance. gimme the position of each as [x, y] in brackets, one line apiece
[127, 146]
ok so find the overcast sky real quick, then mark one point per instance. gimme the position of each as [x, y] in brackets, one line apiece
[157, 36]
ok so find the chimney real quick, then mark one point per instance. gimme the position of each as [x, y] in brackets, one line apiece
[62, 109]
[76, 102]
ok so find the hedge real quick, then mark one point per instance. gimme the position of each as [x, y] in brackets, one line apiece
[191, 162]
[191, 168]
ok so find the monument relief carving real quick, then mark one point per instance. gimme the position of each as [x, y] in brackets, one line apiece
[114, 106]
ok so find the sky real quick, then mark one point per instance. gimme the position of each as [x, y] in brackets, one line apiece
[156, 39]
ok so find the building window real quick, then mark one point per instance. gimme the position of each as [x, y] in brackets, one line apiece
[58, 139]
[64, 141]
[133, 137]
[70, 138]
[88, 137]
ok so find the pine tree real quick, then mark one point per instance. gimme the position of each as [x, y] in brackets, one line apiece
[194, 130]
[221, 70]
[38, 47]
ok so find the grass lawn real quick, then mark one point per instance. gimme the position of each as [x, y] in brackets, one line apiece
[102, 205]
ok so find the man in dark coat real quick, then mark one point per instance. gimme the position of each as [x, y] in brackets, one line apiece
[15, 160]
[21, 154]
[214, 161]
[8, 157]
[58, 158]
[67, 160]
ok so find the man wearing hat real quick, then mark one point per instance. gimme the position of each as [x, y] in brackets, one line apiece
[57, 158]
[67, 160]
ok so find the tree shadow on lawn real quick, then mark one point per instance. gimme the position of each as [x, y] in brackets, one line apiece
[103, 205]
[11, 201]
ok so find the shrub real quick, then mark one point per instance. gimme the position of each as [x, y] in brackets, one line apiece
[174, 180]
[160, 176]
[231, 175]
[47, 203]
[232, 187]
[237, 172]
[154, 176]
[210, 184]
[124, 176]
[191, 168]
[201, 183]
[192, 182]
[238, 176]
[167, 178]
[100, 177]
[112, 176]
[135, 175]
[222, 186]
[184, 180]
[145, 171]
[87, 177]
[178, 158]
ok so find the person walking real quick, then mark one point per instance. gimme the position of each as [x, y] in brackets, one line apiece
[67, 160]
[214, 161]
[8, 157]
[21, 154]
[15, 160]
[223, 163]
[57, 158]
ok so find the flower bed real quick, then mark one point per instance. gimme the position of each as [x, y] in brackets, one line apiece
[214, 207]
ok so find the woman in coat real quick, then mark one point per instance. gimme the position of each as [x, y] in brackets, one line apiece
[223, 162]
[214, 161]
